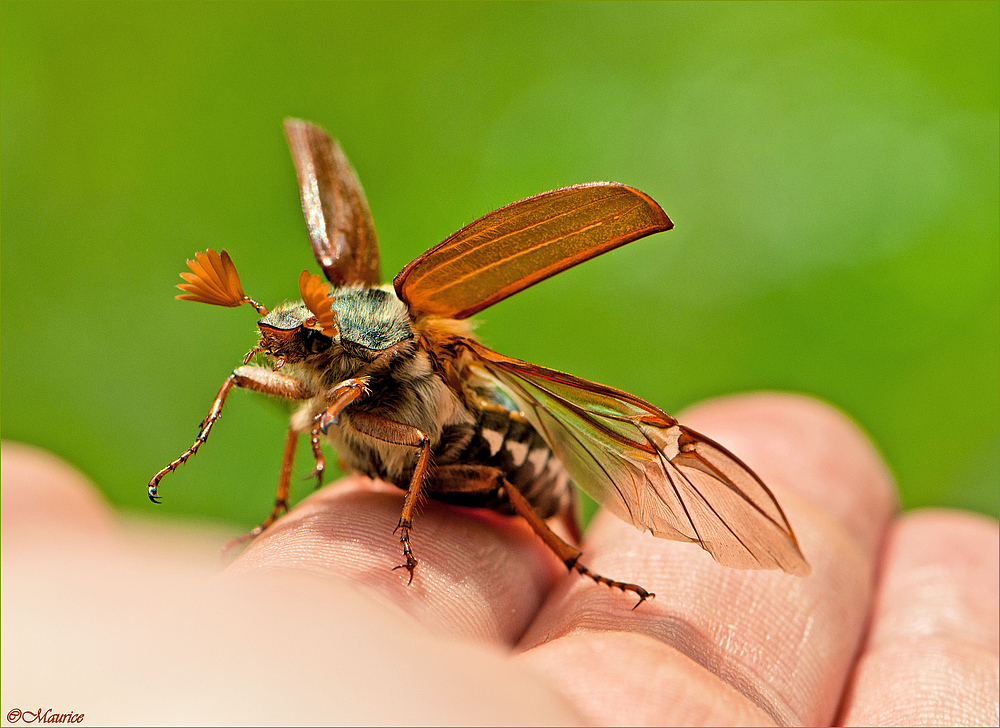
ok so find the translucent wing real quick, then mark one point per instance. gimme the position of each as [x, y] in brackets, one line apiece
[649, 470]
[523, 243]
[334, 205]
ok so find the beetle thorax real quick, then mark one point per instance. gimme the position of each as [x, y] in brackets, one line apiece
[368, 320]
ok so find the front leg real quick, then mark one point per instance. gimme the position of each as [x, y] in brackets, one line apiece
[397, 433]
[258, 379]
[343, 395]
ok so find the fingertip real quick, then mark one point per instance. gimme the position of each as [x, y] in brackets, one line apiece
[940, 576]
[479, 575]
[44, 497]
[931, 653]
[959, 537]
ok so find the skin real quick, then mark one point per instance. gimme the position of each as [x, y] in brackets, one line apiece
[897, 624]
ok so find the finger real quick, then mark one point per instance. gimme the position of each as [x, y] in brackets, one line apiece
[931, 654]
[44, 499]
[479, 575]
[783, 642]
[626, 678]
[138, 641]
[317, 652]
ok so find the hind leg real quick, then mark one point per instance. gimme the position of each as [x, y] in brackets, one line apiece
[569, 554]
[469, 479]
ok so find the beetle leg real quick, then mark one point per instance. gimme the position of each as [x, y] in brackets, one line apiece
[397, 433]
[258, 379]
[464, 478]
[318, 457]
[569, 554]
[461, 478]
[280, 497]
[342, 395]
[348, 391]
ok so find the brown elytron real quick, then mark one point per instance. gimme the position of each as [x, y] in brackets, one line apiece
[393, 378]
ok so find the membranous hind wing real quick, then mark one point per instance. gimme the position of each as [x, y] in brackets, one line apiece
[334, 205]
[523, 243]
[649, 470]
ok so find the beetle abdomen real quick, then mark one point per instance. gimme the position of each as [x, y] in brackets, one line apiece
[504, 440]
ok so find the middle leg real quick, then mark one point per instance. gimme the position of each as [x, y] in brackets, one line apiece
[396, 433]
[280, 497]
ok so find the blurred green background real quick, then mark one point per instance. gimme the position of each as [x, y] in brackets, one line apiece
[832, 170]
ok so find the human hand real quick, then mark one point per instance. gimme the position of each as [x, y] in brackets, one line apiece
[716, 645]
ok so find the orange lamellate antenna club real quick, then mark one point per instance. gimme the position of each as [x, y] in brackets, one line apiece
[316, 297]
[213, 279]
